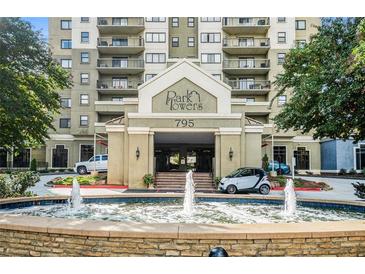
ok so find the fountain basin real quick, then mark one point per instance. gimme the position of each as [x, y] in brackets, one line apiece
[44, 236]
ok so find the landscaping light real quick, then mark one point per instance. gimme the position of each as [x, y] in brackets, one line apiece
[230, 153]
[138, 153]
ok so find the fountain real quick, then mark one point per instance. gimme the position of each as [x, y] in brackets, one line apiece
[290, 198]
[75, 198]
[189, 194]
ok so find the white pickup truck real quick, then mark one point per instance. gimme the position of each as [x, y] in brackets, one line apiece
[99, 164]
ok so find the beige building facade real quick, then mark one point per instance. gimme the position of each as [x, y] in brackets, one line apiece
[178, 92]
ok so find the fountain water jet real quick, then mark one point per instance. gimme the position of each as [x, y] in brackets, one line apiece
[290, 198]
[75, 198]
[189, 194]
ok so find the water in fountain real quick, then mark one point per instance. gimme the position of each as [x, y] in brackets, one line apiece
[189, 194]
[75, 198]
[290, 198]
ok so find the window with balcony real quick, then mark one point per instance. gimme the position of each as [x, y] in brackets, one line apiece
[155, 19]
[65, 122]
[211, 58]
[66, 24]
[249, 100]
[246, 62]
[281, 100]
[119, 21]
[155, 58]
[117, 99]
[191, 22]
[120, 42]
[300, 24]
[66, 63]
[246, 83]
[281, 19]
[65, 102]
[85, 19]
[175, 42]
[84, 99]
[245, 21]
[210, 37]
[246, 41]
[84, 37]
[155, 37]
[210, 19]
[149, 76]
[191, 42]
[84, 78]
[120, 62]
[84, 120]
[66, 44]
[120, 82]
[281, 37]
[84, 56]
[281, 58]
[175, 22]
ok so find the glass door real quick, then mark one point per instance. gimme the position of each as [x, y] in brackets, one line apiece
[246, 83]
[246, 62]
[120, 82]
[245, 42]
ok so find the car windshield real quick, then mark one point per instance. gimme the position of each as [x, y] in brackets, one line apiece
[235, 173]
[92, 158]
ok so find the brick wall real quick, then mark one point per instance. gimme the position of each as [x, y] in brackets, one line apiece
[21, 243]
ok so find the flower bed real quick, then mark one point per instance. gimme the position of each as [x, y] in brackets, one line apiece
[279, 182]
[82, 180]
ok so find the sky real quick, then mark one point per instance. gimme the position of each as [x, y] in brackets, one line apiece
[39, 23]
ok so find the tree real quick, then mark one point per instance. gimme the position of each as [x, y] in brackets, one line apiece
[326, 81]
[29, 80]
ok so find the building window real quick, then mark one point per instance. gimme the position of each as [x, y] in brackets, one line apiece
[66, 63]
[300, 24]
[210, 19]
[211, 37]
[66, 24]
[155, 37]
[360, 157]
[281, 100]
[175, 42]
[155, 19]
[119, 21]
[86, 152]
[149, 76]
[84, 37]
[84, 120]
[191, 22]
[66, 44]
[191, 41]
[84, 99]
[120, 82]
[217, 76]
[301, 156]
[65, 122]
[249, 100]
[281, 58]
[84, 78]
[22, 158]
[85, 19]
[117, 99]
[155, 58]
[280, 154]
[84, 56]
[281, 19]
[66, 102]
[300, 43]
[175, 22]
[60, 156]
[281, 37]
[211, 58]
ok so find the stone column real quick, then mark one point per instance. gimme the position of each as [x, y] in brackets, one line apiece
[115, 157]
[217, 155]
[151, 152]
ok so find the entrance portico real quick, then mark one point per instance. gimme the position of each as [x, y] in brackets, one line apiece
[184, 121]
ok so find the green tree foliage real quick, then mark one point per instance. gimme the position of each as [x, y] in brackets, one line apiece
[17, 183]
[29, 79]
[326, 82]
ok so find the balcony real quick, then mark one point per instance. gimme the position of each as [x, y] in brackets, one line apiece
[251, 108]
[246, 25]
[249, 87]
[118, 86]
[99, 127]
[118, 25]
[120, 66]
[120, 45]
[246, 66]
[246, 45]
[109, 107]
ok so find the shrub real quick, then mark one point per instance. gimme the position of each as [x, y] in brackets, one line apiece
[17, 183]
[265, 162]
[352, 171]
[33, 165]
[342, 171]
[359, 190]
[148, 179]
[217, 180]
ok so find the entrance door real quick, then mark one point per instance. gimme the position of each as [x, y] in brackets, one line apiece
[301, 158]
[60, 156]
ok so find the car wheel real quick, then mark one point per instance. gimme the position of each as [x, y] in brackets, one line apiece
[81, 170]
[231, 189]
[264, 189]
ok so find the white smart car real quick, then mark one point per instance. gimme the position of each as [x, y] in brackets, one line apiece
[100, 164]
[246, 179]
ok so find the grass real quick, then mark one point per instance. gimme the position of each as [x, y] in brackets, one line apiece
[82, 180]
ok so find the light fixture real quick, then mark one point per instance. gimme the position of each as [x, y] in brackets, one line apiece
[230, 153]
[138, 153]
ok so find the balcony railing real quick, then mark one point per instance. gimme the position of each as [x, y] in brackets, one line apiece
[117, 41]
[246, 63]
[245, 21]
[118, 84]
[118, 21]
[246, 42]
[120, 63]
[248, 84]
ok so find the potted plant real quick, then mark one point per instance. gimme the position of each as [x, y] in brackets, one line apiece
[148, 180]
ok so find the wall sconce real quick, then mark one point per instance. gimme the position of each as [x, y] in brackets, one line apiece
[138, 153]
[230, 153]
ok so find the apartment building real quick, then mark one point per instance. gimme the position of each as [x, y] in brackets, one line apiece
[178, 92]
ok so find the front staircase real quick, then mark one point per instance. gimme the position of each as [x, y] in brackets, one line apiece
[175, 181]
